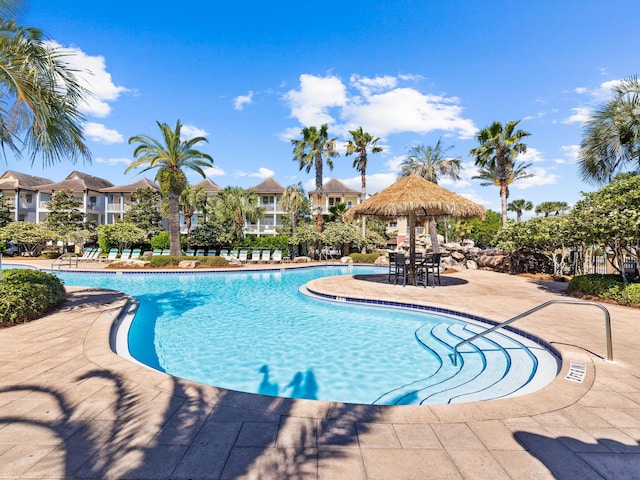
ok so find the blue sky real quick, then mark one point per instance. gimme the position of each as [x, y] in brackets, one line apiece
[249, 75]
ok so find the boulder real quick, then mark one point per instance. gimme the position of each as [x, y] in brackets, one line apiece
[471, 265]
[189, 264]
[129, 264]
[301, 260]
[381, 260]
[346, 260]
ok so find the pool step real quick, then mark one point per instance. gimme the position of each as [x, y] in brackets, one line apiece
[489, 367]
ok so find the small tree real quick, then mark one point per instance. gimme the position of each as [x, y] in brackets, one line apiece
[341, 235]
[123, 234]
[307, 238]
[210, 235]
[5, 211]
[64, 213]
[30, 237]
[144, 211]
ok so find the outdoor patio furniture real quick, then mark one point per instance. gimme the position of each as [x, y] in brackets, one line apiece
[430, 265]
[401, 269]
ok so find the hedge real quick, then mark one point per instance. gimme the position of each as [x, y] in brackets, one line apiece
[606, 287]
[364, 257]
[28, 294]
[159, 261]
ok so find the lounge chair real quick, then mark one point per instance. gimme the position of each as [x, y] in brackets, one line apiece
[224, 253]
[255, 256]
[277, 256]
[113, 254]
[157, 251]
[126, 253]
[266, 256]
[190, 252]
[233, 255]
[87, 253]
[135, 254]
[242, 256]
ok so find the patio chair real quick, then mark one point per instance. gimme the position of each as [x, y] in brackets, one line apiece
[157, 251]
[429, 266]
[277, 256]
[233, 255]
[266, 256]
[401, 270]
[224, 253]
[392, 266]
[126, 253]
[87, 253]
[242, 256]
[135, 254]
[190, 252]
[255, 256]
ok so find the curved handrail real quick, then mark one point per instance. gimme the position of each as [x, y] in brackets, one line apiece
[65, 256]
[607, 320]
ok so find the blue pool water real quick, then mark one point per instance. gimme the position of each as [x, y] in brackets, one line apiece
[255, 332]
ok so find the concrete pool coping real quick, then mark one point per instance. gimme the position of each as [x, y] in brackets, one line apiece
[71, 408]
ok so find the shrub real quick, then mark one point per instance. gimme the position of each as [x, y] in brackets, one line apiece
[215, 261]
[606, 287]
[159, 261]
[27, 294]
[364, 257]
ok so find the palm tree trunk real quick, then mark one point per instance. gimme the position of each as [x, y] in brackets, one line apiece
[503, 201]
[433, 234]
[174, 225]
[364, 219]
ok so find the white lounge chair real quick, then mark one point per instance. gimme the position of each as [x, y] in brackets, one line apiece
[277, 256]
[126, 253]
[224, 253]
[255, 256]
[135, 254]
[266, 256]
[113, 254]
[87, 253]
[242, 256]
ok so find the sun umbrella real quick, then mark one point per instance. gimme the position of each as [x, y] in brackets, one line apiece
[416, 198]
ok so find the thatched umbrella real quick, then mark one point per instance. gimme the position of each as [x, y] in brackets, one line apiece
[416, 198]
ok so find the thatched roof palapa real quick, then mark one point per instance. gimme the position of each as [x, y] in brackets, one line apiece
[416, 196]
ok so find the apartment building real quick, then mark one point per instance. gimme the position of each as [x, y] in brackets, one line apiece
[117, 200]
[333, 191]
[19, 189]
[270, 199]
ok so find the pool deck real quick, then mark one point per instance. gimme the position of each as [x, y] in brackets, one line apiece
[71, 408]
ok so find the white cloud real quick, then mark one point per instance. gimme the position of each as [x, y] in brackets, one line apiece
[240, 101]
[571, 151]
[366, 86]
[581, 90]
[112, 162]
[261, 173]
[187, 132]
[101, 134]
[540, 177]
[395, 163]
[532, 155]
[93, 75]
[214, 172]
[580, 115]
[289, 134]
[311, 103]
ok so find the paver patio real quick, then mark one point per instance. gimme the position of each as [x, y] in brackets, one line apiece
[71, 408]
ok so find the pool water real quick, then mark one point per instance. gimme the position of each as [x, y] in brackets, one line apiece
[255, 332]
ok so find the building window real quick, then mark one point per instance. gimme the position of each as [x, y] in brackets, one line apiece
[393, 224]
[349, 203]
[29, 198]
[268, 200]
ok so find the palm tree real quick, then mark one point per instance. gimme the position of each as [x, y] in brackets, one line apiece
[191, 199]
[362, 143]
[430, 163]
[309, 152]
[293, 201]
[238, 206]
[612, 135]
[520, 206]
[170, 156]
[499, 146]
[338, 212]
[41, 95]
[552, 207]
[503, 178]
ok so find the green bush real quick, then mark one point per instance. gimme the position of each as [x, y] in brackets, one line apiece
[364, 257]
[606, 287]
[27, 294]
[159, 261]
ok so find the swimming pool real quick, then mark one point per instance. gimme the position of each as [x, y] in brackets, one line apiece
[254, 332]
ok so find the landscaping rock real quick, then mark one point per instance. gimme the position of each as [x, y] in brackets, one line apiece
[189, 264]
[301, 260]
[129, 264]
[346, 260]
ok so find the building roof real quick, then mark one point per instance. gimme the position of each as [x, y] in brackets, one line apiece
[132, 187]
[334, 185]
[78, 181]
[270, 185]
[209, 186]
[11, 180]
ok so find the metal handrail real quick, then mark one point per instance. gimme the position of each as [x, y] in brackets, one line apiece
[66, 256]
[607, 321]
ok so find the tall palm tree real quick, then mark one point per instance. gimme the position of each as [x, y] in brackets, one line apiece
[502, 178]
[238, 206]
[611, 138]
[499, 146]
[191, 199]
[431, 163]
[41, 95]
[552, 207]
[293, 201]
[309, 152]
[170, 156]
[362, 143]
[519, 206]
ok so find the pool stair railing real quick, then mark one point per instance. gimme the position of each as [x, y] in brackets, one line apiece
[607, 322]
